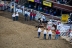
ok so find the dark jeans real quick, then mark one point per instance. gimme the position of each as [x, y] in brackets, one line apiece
[12, 10]
[44, 36]
[30, 17]
[39, 34]
[33, 17]
[56, 36]
[16, 18]
[13, 18]
[26, 18]
[8, 8]
[49, 37]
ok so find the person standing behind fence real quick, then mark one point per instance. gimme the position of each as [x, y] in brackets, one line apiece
[16, 1]
[57, 34]
[13, 16]
[34, 14]
[28, 12]
[39, 32]
[31, 14]
[26, 16]
[49, 34]
[12, 8]
[17, 15]
[43, 17]
[45, 32]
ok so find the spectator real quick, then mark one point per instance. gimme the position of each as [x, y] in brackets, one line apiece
[17, 15]
[47, 12]
[39, 32]
[49, 34]
[13, 16]
[45, 9]
[16, 1]
[45, 32]
[28, 13]
[34, 14]
[12, 8]
[51, 12]
[8, 7]
[64, 1]
[31, 15]
[57, 34]
[26, 16]
[70, 14]
[54, 13]
[29, 6]
[35, 7]
[43, 17]
[58, 1]
[40, 9]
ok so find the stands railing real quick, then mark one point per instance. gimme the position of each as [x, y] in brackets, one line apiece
[61, 6]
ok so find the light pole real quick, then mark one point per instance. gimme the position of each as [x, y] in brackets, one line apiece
[14, 6]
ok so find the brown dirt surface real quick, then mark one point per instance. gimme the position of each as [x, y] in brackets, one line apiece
[23, 34]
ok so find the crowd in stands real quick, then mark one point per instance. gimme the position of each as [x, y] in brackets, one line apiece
[47, 10]
[62, 1]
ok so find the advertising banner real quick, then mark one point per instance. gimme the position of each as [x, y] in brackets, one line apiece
[38, 1]
[31, 0]
[64, 18]
[49, 4]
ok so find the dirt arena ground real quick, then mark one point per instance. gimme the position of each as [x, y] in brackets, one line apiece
[23, 34]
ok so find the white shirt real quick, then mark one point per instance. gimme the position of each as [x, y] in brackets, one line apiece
[50, 23]
[39, 30]
[13, 15]
[50, 32]
[52, 28]
[17, 14]
[43, 17]
[22, 7]
[25, 12]
[45, 32]
[28, 13]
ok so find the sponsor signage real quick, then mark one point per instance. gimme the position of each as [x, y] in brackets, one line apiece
[64, 18]
[49, 4]
[31, 0]
[38, 1]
